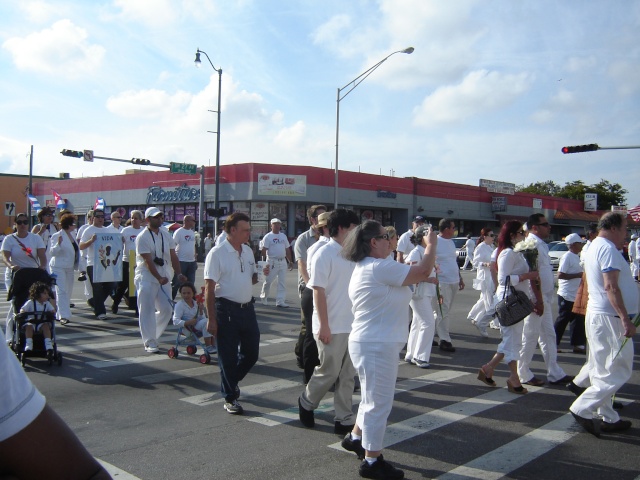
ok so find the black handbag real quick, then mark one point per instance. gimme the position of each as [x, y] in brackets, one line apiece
[514, 306]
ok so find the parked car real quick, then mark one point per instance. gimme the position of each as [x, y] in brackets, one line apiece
[556, 252]
[462, 252]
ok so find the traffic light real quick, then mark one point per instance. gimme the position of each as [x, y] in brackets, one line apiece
[72, 153]
[140, 161]
[592, 147]
[220, 212]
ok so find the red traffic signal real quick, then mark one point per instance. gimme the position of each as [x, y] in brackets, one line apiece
[592, 147]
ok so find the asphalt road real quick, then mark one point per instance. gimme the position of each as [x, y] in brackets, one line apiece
[151, 417]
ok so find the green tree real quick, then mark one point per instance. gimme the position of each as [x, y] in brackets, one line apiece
[608, 193]
[549, 188]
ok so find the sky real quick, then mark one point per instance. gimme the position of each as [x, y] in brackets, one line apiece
[493, 90]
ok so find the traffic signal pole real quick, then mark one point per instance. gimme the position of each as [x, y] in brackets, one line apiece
[592, 147]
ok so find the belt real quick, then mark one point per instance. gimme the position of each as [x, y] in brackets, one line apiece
[236, 304]
[629, 315]
[275, 258]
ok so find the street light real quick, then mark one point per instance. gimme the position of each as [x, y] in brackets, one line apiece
[353, 84]
[216, 198]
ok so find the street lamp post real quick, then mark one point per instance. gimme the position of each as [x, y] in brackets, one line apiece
[216, 198]
[353, 84]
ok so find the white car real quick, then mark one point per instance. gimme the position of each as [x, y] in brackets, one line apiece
[556, 252]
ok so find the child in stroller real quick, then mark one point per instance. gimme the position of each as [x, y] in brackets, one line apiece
[37, 309]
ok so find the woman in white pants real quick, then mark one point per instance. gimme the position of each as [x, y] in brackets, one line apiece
[64, 258]
[513, 267]
[480, 313]
[423, 324]
[380, 296]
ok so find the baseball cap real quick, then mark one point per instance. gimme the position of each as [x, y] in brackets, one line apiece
[323, 218]
[419, 219]
[634, 237]
[276, 220]
[151, 212]
[572, 238]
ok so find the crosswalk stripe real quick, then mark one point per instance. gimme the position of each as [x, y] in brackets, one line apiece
[115, 472]
[248, 391]
[519, 452]
[287, 415]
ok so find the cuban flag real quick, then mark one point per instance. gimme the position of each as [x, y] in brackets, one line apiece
[35, 204]
[635, 213]
[60, 203]
[99, 205]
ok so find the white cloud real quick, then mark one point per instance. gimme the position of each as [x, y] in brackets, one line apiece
[151, 103]
[627, 77]
[291, 137]
[577, 64]
[163, 13]
[39, 11]
[480, 91]
[62, 49]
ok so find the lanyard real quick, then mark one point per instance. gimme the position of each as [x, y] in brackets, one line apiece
[154, 240]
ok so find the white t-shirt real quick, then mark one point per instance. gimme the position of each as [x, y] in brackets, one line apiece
[404, 243]
[18, 256]
[380, 301]
[470, 245]
[276, 244]
[331, 271]
[20, 400]
[312, 250]
[130, 233]
[415, 256]
[158, 245]
[544, 266]
[569, 263]
[603, 256]
[447, 260]
[86, 236]
[221, 238]
[183, 312]
[231, 271]
[185, 244]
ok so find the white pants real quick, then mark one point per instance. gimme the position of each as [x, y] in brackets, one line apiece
[483, 309]
[377, 365]
[605, 335]
[278, 268]
[423, 327]
[335, 369]
[511, 343]
[64, 288]
[539, 329]
[467, 260]
[448, 292]
[155, 309]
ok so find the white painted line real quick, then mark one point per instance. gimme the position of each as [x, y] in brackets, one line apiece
[507, 458]
[115, 472]
[248, 391]
[287, 415]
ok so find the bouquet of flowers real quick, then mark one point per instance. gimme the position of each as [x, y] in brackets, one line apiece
[438, 294]
[530, 252]
[636, 322]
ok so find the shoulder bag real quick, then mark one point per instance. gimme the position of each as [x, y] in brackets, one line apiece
[514, 306]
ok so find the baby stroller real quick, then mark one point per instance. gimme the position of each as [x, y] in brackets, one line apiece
[18, 294]
[189, 337]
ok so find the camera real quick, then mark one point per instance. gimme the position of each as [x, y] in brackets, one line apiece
[159, 261]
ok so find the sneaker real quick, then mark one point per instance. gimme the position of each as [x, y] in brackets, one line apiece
[265, 302]
[234, 408]
[380, 469]
[28, 347]
[102, 316]
[352, 445]
[482, 329]
[151, 348]
[282, 305]
[82, 277]
[211, 349]
[446, 346]
[408, 359]
[421, 363]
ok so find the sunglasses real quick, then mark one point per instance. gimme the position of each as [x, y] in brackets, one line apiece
[98, 216]
[520, 232]
[22, 222]
[384, 236]
[490, 235]
[545, 224]
[48, 215]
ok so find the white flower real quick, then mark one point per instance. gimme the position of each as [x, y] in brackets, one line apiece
[526, 244]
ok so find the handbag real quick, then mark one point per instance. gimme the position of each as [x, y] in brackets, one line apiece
[514, 306]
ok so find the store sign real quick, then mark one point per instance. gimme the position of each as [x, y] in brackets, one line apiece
[494, 186]
[285, 185]
[385, 194]
[178, 194]
[498, 204]
[259, 212]
[590, 202]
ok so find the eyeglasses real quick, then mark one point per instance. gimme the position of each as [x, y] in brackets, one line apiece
[490, 235]
[545, 224]
[384, 236]
[22, 222]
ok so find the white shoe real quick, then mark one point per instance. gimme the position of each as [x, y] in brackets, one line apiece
[282, 305]
[102, 316]
[211, 349]
[265, 302]
[151, 349]
[28, 347]
[483, 330]
[421, 363]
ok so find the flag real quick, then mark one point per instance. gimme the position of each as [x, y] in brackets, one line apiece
[34, 202]
[60, 203]
[99, 205]
[635, 213]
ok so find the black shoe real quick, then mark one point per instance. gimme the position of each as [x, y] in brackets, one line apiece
[237, 391]
[563, 381]
[380, 469]
[299, 363]
[341, 429]
[352, 445]
[575, 389]
[306, 416]
[434, 343]
[72, 305]
[90, 302]
[114, 308]
[619, 426]
[446, 346]
[82, 277]
[617, 405]
[592, 426]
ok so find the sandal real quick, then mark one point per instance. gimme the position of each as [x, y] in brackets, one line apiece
[64, 321]
[482, 376]
[518, 390]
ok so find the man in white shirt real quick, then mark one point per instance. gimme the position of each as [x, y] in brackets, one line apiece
[469, 246]
[449, 281]
[129, 235]
[100, 291]
[633, 258]
[155, 257]
[275, 245]
[569, 276]
[538, 327]
[186, 250]
[229, 274]
[613, 301]
[332, 318]
[404, 242]
[116, 220]
[208, 244]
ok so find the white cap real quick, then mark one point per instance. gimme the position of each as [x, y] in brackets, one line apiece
[573, 238]
[151, 212]
[275, 220]
[634, 237]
